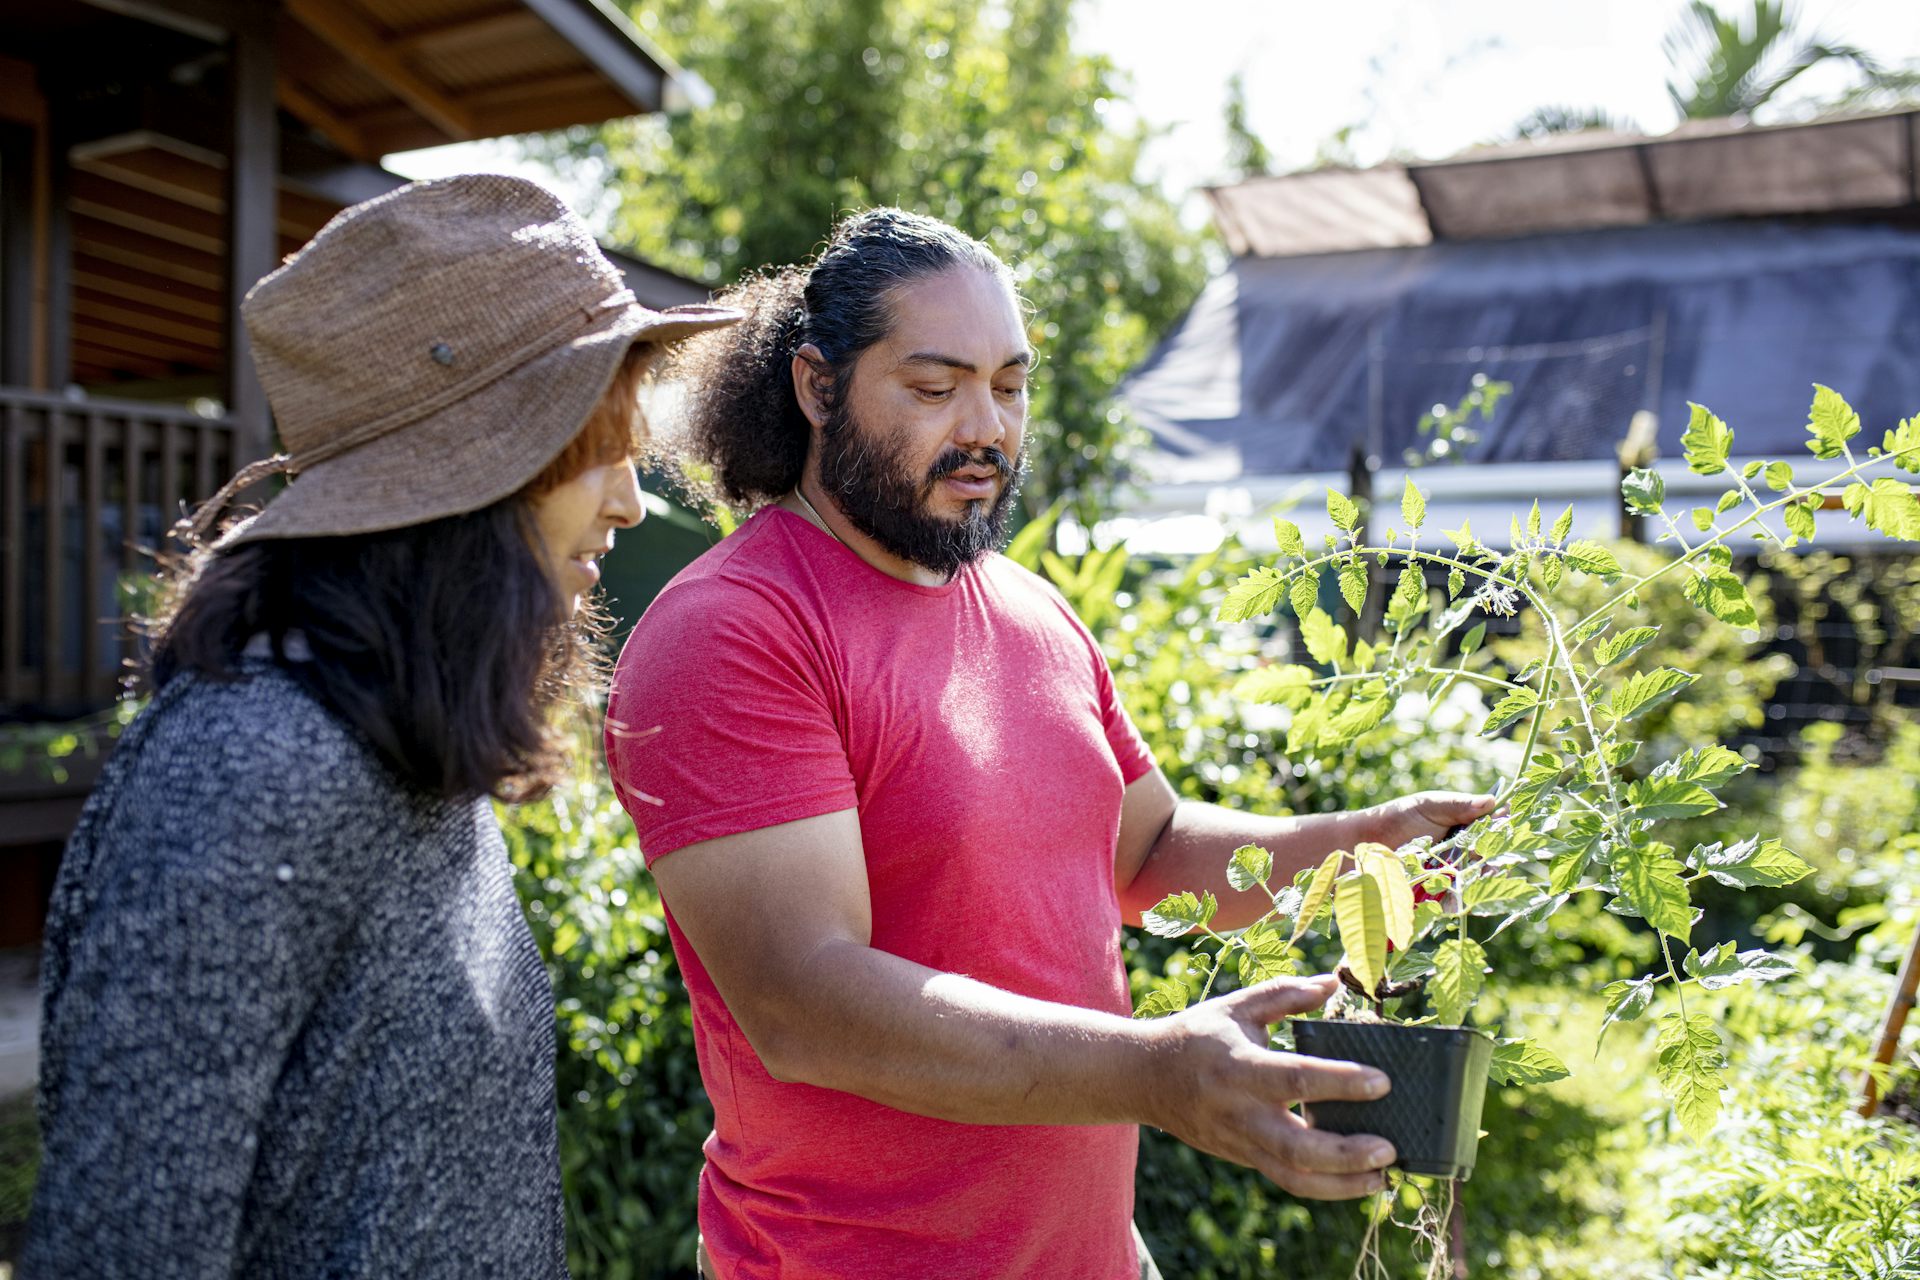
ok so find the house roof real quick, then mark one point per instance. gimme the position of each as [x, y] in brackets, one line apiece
[1703, 170]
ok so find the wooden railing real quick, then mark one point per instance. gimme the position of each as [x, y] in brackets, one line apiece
[88, 488]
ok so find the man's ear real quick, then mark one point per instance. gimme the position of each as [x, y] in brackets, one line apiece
[811, 381]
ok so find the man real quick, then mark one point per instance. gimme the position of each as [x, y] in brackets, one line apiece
[898, 816]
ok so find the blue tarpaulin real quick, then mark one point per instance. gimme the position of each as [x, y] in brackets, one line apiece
[1284, 363]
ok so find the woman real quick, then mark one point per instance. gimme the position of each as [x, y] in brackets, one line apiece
[294, 1022]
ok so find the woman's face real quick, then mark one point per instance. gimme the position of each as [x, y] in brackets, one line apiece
[575, 523]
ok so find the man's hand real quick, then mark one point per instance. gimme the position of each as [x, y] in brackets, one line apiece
[1425, 813]
[1227, 1093]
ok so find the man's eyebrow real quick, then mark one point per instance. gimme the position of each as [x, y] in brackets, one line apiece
[1024, 359]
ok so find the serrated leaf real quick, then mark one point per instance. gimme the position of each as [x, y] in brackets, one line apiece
[1658, 798]
[1650, 882]
[1413, 505]
[1710, 765]
[1341, 510]
[1568, 866]
[1564, 525]
[1163, 999]
[1367, 709]
[1689, 1065]
[1722, 967]
[1326, 641]
[1462, 538]
[1496, 894]
[1265, 954]
[1779, 476]
[1253, 596]
[1249, 866]
[1753, 863]
[1362, 920]
[1889, 507]
[1552, 569]
[1721, 594]
[1353, 585]
[1643, 491]
[1533, 520]
[1706, 441]
[1508, 710]
[1589, 556]
[1640, 694]
[1177, 913]
[1318, 890]
[1459, 974]
[1304, 595]
[1287, 534]
[1524, 1062]
[1456, 583]
[1396, 891]
[1799, 518]
[1901, 445]
[1831, 422]
[1285, 684]
[1622, 645]
[1626, 1001]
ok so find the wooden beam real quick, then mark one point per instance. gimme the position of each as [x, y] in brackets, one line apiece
[157, 257]
[91, 305]
[194, 181]
[253, 250]
[311, 111]
[163, 219]
[352, 36]
[115, 337]
[133, 285]
[499, 27]
[120, 362]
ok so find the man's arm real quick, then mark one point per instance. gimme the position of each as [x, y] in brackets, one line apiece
[781, 918]
[1169, 845]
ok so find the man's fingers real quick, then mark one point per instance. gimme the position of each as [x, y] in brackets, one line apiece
[1325, 1186]
[1270, 1001]
[1295, 1077]
[1293, 1142]
[1451, 808]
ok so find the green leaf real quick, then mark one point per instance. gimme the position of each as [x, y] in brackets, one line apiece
[1779, 476]
[1472, 640]
[1456, 582]
[1752, 469]
[1413, 505]
[1710, 765]
[1640, 694]
[1706, 442]
[1287, 534]
[1753, 863]
[1524, 1062]
[1178, 913]
[1250, 866]
[1626, 1001]
[1164, 998]
[1569, 865]
[1799, 518]
[1902, 444]
[1703, 518]
[1622, 645]
[1643, 491]
[1342, 511]
[1508, 710]
[1265, 954]
[1650, 882]
[1689, 1066]
[1024, 549]
[1253, 596]
[1589, 556]
[1304, 594]
[1564, 525]
[1533, 520]
[1409, 601]
[1552, 569]
[1362, 919]
[1831, 423]
[1889, 507]
[1317, 891]
[1723, 967]
[1287, 684]
[1325, 640]
[1353, 585]
[1721, 594]
[1657, 798]
[1496, 894]
[1459, 973]
[1462, 538]
[1367, 709]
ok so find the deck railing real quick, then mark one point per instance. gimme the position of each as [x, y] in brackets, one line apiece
[88, 488]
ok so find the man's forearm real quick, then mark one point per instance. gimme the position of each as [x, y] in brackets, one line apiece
[1193, 851]
[938, 1044]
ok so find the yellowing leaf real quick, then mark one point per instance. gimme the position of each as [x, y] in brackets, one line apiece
[1361, 918]
[1317, 890]
[1831, 423]
[1396, 891]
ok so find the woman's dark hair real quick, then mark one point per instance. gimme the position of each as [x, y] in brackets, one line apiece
[444, 644]
[744, 438]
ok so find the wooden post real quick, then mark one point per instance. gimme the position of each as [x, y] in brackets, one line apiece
[1904, 994]
[253, 167]
[16, 255]
[57, 305]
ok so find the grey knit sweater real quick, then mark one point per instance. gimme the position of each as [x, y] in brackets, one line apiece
[294, 1023]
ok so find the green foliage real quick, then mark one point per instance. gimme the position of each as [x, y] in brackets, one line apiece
[980, 114]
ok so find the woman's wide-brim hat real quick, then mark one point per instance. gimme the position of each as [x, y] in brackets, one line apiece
[430, 351]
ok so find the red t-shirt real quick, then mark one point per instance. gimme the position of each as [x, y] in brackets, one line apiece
[975, 728]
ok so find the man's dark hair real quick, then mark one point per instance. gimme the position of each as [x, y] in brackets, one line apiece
[744, 432]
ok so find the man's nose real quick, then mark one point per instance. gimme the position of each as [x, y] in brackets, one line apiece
[980, 423]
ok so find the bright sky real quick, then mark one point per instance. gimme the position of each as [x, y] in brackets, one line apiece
[1429, 77]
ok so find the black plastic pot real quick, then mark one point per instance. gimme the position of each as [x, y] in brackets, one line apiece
[1439, 1076]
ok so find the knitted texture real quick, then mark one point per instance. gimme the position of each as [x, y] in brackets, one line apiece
[294, 1023]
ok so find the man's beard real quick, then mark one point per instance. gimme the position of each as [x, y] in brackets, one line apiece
[869, 476]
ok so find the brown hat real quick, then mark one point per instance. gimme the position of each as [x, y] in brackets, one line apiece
[431, 351]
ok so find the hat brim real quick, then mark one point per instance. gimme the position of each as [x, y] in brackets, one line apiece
[476, 451]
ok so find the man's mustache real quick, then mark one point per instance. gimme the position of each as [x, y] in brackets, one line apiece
[957, 460]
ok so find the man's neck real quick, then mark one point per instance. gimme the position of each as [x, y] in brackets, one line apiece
[826, 514]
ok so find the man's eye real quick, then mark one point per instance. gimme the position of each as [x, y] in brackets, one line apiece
[934, 393]
[1012, 393]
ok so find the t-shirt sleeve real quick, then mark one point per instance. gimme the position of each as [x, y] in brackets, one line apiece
[1130, 750]
[722, 720]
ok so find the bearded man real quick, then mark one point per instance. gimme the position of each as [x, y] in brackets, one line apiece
[898, 818]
